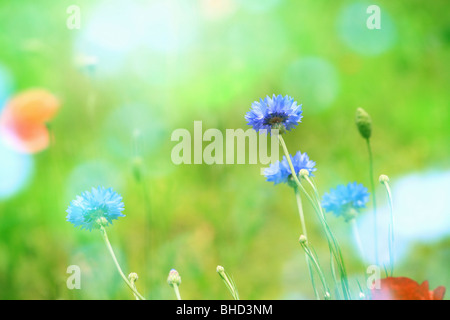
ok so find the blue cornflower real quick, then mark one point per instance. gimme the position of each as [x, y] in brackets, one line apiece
[346, 200]
[278, 112]
[280, 171]
[94, 209]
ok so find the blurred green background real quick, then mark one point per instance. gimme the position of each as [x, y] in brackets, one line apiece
[135, 71]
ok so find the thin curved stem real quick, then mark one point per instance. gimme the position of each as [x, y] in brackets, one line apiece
[374, 202]
[111, 251]
[316, 264]
[229, 282]
[391, 229]
[305, 233]
[332, 242]
[134, 287]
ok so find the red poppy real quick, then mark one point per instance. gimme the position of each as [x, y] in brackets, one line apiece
[402, 288]
[34, 106]
[23, 121]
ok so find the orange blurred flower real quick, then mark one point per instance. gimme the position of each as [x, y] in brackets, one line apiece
[402, 288]
[23, 121]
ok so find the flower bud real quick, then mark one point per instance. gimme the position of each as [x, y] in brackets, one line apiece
[304, 173]
[174, 278]
[220, 269]
[302, 239]
[133, 277]
[101, 222]
[364, 123]
[383, 179]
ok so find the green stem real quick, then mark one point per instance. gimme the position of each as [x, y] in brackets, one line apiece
[288, 158]
[332, 242]
[316, 193]
[303, 225]
[300, 211]
[374, 201]
[391, 229]
[311, 256]
[297, 194]
[177, 291]
[333, 274]
[134, 287]
[229, 283]
[111, 251]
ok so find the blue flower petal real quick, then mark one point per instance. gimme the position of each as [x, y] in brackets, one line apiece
[270, 113]
[86, 209]
[344, 198]
[280, 171]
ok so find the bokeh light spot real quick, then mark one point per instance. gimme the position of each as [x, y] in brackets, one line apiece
[116, 32]
[6, 85]
[217, 9]
[15, 171]
[421, 213]
[92, 174]
[314, 81]
[243, 43]
[134, 130]
[111, 31]
[258, 6]
[117, 27]
[353, 30]
[172, 25]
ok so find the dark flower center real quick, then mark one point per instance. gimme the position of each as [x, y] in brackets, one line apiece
[275, 118]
